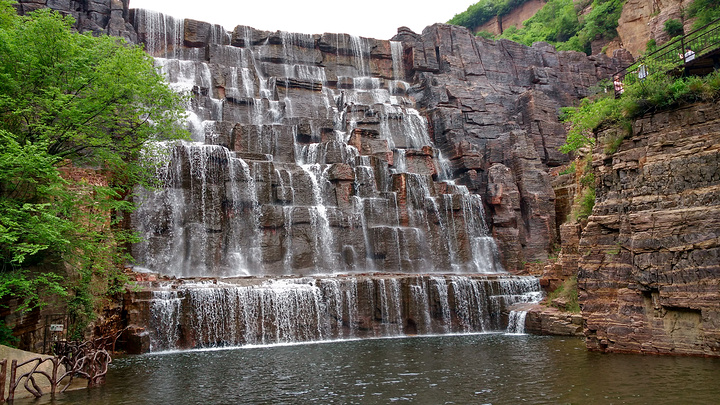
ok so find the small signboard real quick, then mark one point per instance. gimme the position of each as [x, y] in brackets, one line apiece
[56, 327]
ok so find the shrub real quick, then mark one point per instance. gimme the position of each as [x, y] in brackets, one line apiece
[568, 293]
[569, 170]
[483, 11]
[485, 35]
[586, 204]
[657, 92]
[673, 27]
[6, 336]
[650, 46]
[704, 11]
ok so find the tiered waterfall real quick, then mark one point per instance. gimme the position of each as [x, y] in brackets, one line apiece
[313, 196]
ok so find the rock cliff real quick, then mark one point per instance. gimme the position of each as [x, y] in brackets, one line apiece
[648, 257]
[98, 16]
[643, 20]
[491, 109]
[649, 263]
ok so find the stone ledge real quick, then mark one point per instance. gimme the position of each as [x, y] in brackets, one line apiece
[542, 320]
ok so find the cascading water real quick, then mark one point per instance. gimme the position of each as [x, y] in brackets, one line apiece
[309, 159]
[516, 322]
[256, 311]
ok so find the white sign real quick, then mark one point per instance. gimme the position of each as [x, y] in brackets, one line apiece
[56, 327]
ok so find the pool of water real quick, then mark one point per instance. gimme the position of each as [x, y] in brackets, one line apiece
[462, 369]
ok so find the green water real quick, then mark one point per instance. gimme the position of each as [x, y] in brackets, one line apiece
[466, 369]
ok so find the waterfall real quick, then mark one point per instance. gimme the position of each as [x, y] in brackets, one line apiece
[396, 49]
[310, 168]
[516, 322]
[288, 310]
[163, 35]
[237, 106]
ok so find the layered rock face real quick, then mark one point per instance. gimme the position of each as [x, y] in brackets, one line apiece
[99, 16]
[344, 153]
[642, 20]
[313, 160]
[650, 254]
[492, 108]
[514, 18]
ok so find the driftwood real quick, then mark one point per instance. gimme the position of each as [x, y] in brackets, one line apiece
[89, 360]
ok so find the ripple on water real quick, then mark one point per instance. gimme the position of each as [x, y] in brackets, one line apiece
[493, 369]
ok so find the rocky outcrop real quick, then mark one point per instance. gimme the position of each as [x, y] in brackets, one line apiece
[493, 103]
[487, 103]
[98, 16]
[546, 320]
[650, 254]
[269, 97]
[643, 20]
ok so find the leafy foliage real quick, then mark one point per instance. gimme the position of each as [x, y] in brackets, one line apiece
[705, 11]
[673, 27]
[568, 293]
[560, 24]
[586, 204]
[483, 11]
[656, 92]
[557, 21]
[94, 100]
[568, 170]
[75, 112]
[6, 336]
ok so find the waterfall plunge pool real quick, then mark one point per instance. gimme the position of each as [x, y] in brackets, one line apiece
[451, 369]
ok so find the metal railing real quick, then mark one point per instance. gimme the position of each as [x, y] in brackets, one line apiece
[676, 53]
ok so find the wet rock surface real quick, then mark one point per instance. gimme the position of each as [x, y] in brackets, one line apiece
[276, 100]
[496, 103]
[546, 320]
[195, 313]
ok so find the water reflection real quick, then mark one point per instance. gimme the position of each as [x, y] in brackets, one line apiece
[479, 369]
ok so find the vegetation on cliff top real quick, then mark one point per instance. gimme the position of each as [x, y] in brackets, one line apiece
[559, 22]
[70, 101]
[483, 11]
[704, 12]
[658, 91]
[568, 25]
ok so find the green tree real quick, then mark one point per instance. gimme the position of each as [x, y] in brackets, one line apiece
[705, 12]
[483, 11]
[557, 22]
[70, 101]
[673, 27]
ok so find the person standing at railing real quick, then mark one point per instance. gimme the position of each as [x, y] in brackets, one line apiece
[642, 72]
[688, 55]
[618, 85]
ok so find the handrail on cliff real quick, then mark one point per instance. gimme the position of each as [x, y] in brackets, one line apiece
[703, 42]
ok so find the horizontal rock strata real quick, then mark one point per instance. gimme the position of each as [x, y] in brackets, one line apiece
[649, 275]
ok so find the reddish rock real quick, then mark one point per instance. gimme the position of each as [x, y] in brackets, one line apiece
[544, 320]
[341, 172]
[421, 162]
[650, 257]
[196, 33]
[484, 108]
